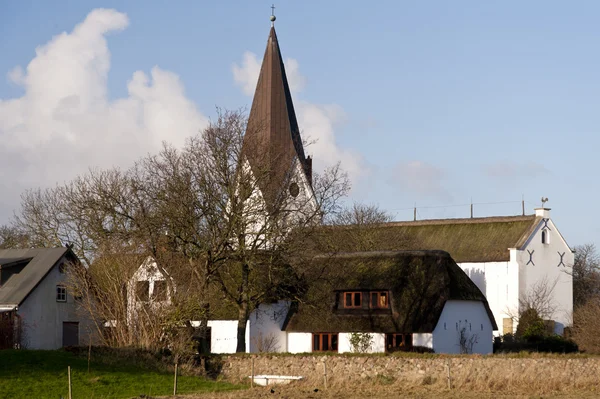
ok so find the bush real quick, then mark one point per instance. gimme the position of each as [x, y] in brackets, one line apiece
[534, 343]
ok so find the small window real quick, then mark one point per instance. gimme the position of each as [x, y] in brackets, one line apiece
[142, 290]
[545, 237]
[395, 342]
[323, 342]
[352, 299]
[159, 293]
[61, 293]
[380, 300]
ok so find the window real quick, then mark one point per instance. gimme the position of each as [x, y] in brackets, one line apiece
[394, 342]
[545, 237]
[379, 300]
[142, 290]
[159, 293]
[352, 299]
[323, 342]
[61, 293]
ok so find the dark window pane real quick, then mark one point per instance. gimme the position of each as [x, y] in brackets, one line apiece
[389, 340]
[348, 299]
[408, 340]
[316, 345]
[357, 299]
[334, 342]
[160, 290]
[142, 290]
[325, 343]
[373, 299]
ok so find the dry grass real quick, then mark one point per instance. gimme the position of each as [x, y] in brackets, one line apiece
[304, 391]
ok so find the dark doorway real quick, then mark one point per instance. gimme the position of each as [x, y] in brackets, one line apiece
[70, 333]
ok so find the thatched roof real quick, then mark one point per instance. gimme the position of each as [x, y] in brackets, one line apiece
[466, 240]
[419, 282]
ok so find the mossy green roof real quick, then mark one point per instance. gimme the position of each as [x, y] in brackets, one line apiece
[419, 282]
[466, 240]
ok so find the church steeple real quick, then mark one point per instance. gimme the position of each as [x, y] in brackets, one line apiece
[272, 138]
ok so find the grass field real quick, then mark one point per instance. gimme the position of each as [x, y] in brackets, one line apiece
[43, 374]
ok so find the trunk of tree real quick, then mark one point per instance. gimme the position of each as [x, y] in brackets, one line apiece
[243, 307]
[203, 337]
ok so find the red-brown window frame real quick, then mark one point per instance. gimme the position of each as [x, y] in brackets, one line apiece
[379, 294]
[330, 340]
[404, 343]
[352, 300]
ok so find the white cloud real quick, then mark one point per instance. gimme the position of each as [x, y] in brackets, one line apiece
[65, 122]
[420, 178]
[318, 122]
[515, 170]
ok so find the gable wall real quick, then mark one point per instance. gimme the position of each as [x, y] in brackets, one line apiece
[265, 325]
[470, 315]
[43, 317]
[545, 269]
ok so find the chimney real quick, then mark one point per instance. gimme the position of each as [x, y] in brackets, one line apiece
[543, 212]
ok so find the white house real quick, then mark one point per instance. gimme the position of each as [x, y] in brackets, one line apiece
[37, 309]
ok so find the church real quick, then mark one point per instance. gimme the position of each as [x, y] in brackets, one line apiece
[445, 285]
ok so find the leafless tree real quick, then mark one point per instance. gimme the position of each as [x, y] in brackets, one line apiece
[208, 203]
[538, 301]
[11, 237]
[586, 274]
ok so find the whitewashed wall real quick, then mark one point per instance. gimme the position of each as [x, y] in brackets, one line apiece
[266, 323]
[456, 315]
[546, 269]
[223, 335]
[499, 282]
[377, 345]
[299, 342]
[42, 316]
[423, 339]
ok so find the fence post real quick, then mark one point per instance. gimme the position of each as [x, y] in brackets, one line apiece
[252, 380]
[89, 353]
[325, 372]
[449, 377]
[69, 374]
[175, 381]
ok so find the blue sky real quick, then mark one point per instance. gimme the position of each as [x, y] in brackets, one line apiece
[433, 103]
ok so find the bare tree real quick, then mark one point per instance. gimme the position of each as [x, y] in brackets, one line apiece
[586, 274]
[209, 203]
[586, 323]
[11, 237]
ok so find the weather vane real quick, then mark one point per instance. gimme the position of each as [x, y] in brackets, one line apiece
[273, 18]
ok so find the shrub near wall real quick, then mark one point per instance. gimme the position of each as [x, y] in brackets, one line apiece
[534, 373]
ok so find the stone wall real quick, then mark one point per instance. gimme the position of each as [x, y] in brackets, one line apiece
[549, 373]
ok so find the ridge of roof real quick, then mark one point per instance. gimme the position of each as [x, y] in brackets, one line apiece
[487, 219]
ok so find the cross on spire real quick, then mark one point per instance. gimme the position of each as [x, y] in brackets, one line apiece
[273, 18]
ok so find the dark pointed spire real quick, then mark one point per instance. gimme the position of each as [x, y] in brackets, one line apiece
[273, 138]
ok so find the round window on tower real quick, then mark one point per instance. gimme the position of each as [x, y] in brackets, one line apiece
[294, 189]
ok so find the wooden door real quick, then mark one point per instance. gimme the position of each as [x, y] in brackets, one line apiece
[70, 333]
